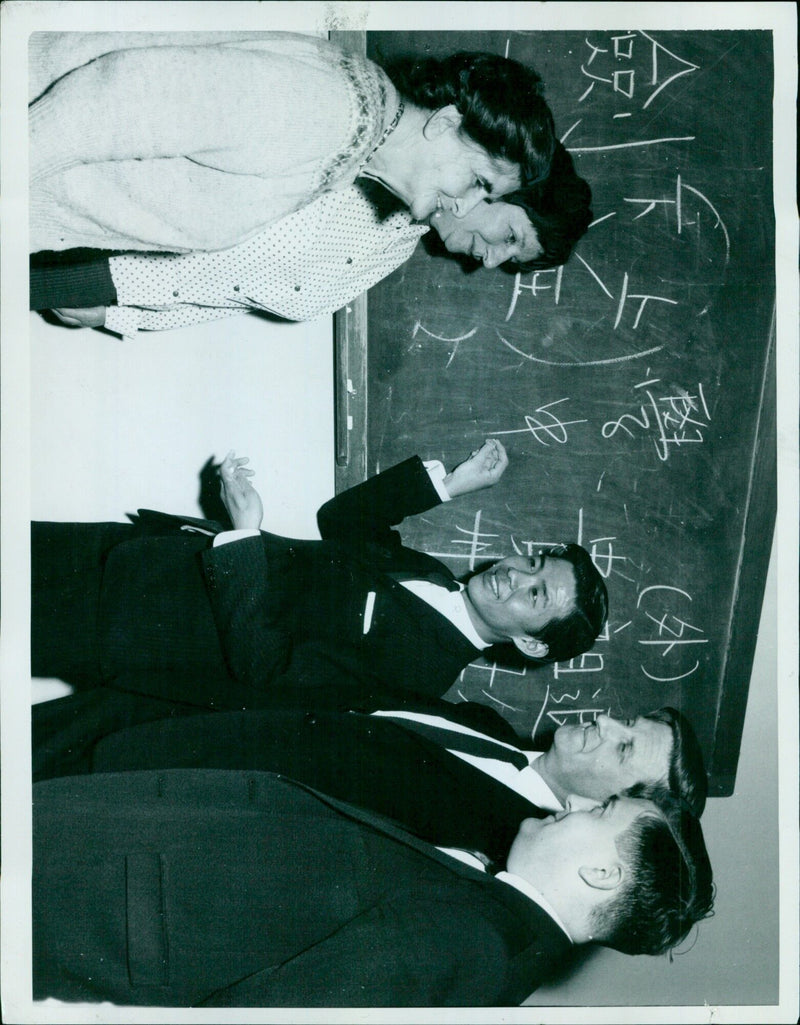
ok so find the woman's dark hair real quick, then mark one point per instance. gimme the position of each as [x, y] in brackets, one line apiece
[500, 101]
[559, 208]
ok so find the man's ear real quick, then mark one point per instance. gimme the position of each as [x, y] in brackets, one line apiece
[608, 877]
[530, 646]
[442, 120]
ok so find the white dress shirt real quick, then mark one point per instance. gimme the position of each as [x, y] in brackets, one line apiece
[526, 782]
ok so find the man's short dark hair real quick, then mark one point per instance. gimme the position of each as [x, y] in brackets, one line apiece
[560, 210]
[687, 779]
[668, 888]
[577, 631]
[501, 103]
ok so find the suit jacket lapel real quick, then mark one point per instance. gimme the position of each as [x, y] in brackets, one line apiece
[525, 914]
[427, 620]
[386, 826]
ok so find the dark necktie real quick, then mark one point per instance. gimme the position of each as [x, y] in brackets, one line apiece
[466, 742]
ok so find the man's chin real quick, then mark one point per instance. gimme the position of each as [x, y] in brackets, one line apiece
[422, 210]
[480, 593]
[566, 736]
[532, 826]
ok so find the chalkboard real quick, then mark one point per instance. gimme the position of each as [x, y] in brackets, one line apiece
[633, 387]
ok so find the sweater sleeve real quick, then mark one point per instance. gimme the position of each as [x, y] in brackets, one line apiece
[54, 54]
[161, 102]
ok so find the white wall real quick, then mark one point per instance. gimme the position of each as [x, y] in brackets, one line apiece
[120, 425]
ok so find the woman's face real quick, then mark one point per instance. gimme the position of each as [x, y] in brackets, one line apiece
[452, 173]
[490, 232]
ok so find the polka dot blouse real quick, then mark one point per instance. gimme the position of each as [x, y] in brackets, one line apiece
[308, 264]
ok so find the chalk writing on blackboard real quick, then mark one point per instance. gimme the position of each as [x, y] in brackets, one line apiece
[449, 341]
[681, 207]
[545, 426]
[621, 298]
[633, 65]
[634, 69]
[678, 418]
[579, 363]
[675, 636]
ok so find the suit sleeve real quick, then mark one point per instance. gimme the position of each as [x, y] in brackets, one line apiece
[401, 953]
[368, 511]
[245, 592]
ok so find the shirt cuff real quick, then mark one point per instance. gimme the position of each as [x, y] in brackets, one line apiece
[437, 474]
[226, 536]
[122, 320]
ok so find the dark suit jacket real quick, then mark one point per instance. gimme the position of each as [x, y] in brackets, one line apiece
[243, 624]
[370, 761]
[225, 888]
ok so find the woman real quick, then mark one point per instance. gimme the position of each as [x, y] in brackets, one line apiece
[152, 142]
[312, 262]
[528, 230]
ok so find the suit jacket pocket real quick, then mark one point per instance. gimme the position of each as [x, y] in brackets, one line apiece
[149, 521]
[145, 920]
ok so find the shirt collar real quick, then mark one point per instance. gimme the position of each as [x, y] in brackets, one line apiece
[533, 894]
[451, 605]
[465, 623]
[549, 799]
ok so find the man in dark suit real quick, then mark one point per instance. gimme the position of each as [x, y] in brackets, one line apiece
[378, 763]
[232, 621]
[449, 773]
[225, 888]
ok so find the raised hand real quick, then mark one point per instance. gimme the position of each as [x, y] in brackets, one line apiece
[483, 469]
[238, 495]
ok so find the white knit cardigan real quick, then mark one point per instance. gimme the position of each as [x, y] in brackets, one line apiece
[155, 141]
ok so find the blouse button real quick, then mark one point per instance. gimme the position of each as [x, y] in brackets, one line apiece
[297, 288]
[175, 293]
[349, 259]
[236, 288]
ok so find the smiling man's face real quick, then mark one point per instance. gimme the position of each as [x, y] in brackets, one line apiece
[517, 597]
[606, 756]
